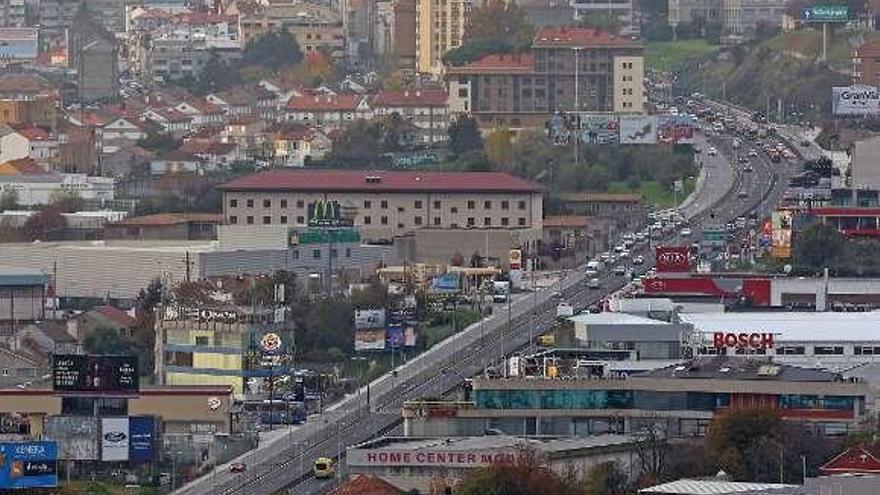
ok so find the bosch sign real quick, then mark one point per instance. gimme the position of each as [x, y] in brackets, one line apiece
[743, 340]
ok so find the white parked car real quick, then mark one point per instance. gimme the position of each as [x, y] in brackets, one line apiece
[686, 232]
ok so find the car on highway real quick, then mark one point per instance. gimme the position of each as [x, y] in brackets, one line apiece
[605, 256]
[753, 153]
[742, 194]
[594, 283]
[744, 159]
[323, 468]
[685, 232]
[237, 467]
[712, 151]
[748, 168]
[639, 260]
[805, 143]
[619, 271]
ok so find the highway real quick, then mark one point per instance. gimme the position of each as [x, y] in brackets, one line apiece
[287, 461]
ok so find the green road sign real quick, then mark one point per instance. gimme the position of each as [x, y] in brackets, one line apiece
[826, 13]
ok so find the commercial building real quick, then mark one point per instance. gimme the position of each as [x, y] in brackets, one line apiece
[736, 17]
[19, 44]
[222, 346]
[439, 28]
[165, 226]
[524, 90]
[626, 211]
[722, 487]
[420, 463]
[92, 50]
[40, 188]
[444, 212]
[620, 9]
[23, 296]
[864, 171]
[680, 399]
[12, 13]
[396, 31]
[315, 27]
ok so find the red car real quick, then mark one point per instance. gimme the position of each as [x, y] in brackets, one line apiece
[237, 467]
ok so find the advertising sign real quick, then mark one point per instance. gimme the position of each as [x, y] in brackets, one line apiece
[142, 439]
[394, 336]
[781, 237]
[326, 213]
[826, 13]
[28, 465]
[599, 128]
[369, 340]
[369, 318]
[270, 342]
[675, 129]
[448, 283]
[638, 129]
[673, 259]
[515, 260]
[114, 439]
[409, 337]
[76, 436]
[743, 340]
[99, 374]
[429, 457]
[858, 99]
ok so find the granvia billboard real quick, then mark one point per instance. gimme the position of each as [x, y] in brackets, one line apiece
[858, 99]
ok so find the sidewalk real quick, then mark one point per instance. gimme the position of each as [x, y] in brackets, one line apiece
[839, 159]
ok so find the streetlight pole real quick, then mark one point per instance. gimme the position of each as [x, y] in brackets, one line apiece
[577, 107]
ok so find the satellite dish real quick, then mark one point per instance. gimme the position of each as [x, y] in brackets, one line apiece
[786, 268]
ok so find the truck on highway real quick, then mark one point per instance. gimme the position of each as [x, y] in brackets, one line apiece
[564, 310]
[594, 267]
[323, 468]
[500, 291]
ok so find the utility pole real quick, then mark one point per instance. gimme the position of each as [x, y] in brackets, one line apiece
[577, 108]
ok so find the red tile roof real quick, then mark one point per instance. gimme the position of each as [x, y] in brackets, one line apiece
[33, 133]
[425, 98]
[381, 181]
[219, 149]
[26, 166]
[116, 315]
[325, 103]
[361, 484]
[579, 36]
[502, 63]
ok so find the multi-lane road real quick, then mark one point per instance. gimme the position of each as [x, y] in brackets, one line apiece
[286, 461]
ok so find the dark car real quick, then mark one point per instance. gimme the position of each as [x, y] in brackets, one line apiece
[237, 467]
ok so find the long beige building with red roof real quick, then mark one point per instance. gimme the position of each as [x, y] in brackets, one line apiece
[443, 212]
[522, 90]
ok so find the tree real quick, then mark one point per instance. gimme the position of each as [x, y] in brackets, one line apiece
[602, 21]
[816, 248]
[192, 294]
[499, 20]
[477, 49]
[104, 340]
[395, 136]
[358, 145]
[499, 149]
[216, 75]
[651, 451]
[144, 334]
[41, 225]
[274, 50]
[159, 142]
[464, 135]
[606, 479]
[735, 440]
[8, 199]
[315, 69]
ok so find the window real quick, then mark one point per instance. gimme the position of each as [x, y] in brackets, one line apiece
[250, 203]
[334, 253]
[284, 203]
[267, 220]
[437, 205]
[827, 350]
[472, 205]
[487, 205]
[316, 254]
[218, 340]
[505, 221]
[471, 222]
[417, 220]
[300, 203]
[437, 221]
[521, 222]
[368, 220]
[522, 205]
[233, 220]
[296, 254]
[368, 204]
[454, 209]
[400, 209]
[284, 219]
[300, 220]
[383, 204]
[267, 203]
[233, 203]
[866, 350]
[250, 220]
[487, 221]
[202, 341]
[348, 252]
[383, 220]
[505, 205]
[418, 204]
[401, 226]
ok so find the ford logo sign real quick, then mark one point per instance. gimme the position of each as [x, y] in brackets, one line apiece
[115, 436]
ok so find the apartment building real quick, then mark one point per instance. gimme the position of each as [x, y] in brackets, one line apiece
[12, 13]
[737, 17]
[441, 212]
[621, 9]
[396, 31]
[426, 110]
[314, 26]
[866, 63]
[523, 90]
[439, 28]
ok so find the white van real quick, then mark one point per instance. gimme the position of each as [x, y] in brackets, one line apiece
[594, 267]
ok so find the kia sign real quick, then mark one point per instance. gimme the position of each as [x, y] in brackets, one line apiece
[743, 340]
[673, 259]
[858, 99]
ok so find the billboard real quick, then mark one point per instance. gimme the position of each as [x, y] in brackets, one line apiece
[781, 237]
[142, 439]
[858, 99]
[369, 318]
[599, 128]
[394, 337]
[369, 340]
[448, 283]
[673, 259]
[638, 129]
[826, 13]
[675, 129]
[76, 436]
[98, 374]
[327, 213]
[114, 439]
[28, 465]
[409, 337]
